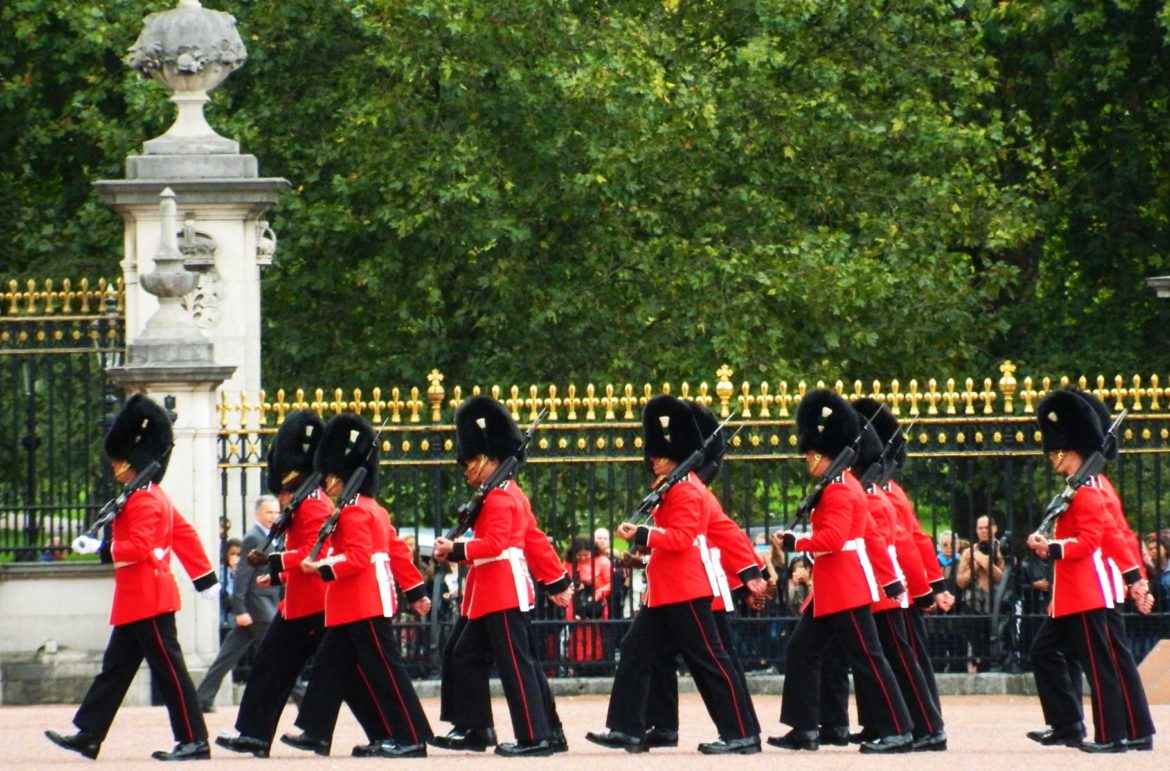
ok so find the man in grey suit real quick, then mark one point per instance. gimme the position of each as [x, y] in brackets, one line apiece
[253, 606]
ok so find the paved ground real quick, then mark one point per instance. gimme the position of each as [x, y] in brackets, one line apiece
[986, 732]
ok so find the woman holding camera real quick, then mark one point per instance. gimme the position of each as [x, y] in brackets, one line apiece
[591, 573]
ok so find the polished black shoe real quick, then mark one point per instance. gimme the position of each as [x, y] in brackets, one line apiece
[935, 742]
[185, 751]
[744, 745]
[241, 743]
[469, 740]
[389, 748]
[796, 739]
[303, 741]
[889, 744]
[80, 742]
[1144, 744]
[558, 741]
[837, 735]
[539, 748]
[617, 740]
[1117, 746]
[864, 735]
[660, 737]
[367, 750]
[1070, 735]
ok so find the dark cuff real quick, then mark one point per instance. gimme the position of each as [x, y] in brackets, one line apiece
[938, 587]
[274, 579]
[458, 552]
[741, 593]
[750, 573]
[789, 542]
[1055, 551]
[765, 573]
[415, 593]
[893, 589]
[924, 602]
[327, 573]
[1132, 576]
[275, 563]
[104, 553]
[642, 536]
[205, 580]
[558, 586]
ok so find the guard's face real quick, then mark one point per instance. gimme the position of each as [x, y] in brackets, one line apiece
[122, 471]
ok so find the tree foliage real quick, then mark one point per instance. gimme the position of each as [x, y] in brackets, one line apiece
[535, 190]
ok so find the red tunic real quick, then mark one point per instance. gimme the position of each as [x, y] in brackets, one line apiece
[1120, 545]
[927, 557]
[498, 578]
[146, 533]
[879, 537]
[837, 532]
[304, 593]
[1079, 578]
[542, 558]
[675, 572]
[737, 556]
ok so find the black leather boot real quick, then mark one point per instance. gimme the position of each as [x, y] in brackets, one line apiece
[80, 742]
[185, 751]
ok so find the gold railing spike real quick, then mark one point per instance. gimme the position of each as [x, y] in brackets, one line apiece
[1138, 393]
[572, 403]
[513, 402]
[988, 396]
[628, 401]
[396, 405]
[895, 397]
[684, 390]
[783, 399]
[591, 402]
[839, 387]
[300, 403]
[553, 402]
[456, 398]
[746, 400]
[932, 396]
[665, 389]
[377, 404]
[704, 397]
[1155, 392]
[83, 294]
[435, 394]
[263, 408]
[67, 296]
[222, 408]
[533, 402]
[609, 402]
[1119, 392]
[1007, 384]
[49, 296]
[968, 396]
[950, 396]
[415, 405]
[765, 401]
[648, 394]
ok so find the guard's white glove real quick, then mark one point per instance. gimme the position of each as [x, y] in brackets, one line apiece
[210, 593]
[83, 544]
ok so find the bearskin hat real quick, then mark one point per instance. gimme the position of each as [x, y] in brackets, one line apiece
[713, 456]
[1104, 418]
[885, 424]
[1067, 422]
[825, 423]
[869, 449]
[483, 426]
[141, 433]
[348, 443]
[669, 429]
[290, 456]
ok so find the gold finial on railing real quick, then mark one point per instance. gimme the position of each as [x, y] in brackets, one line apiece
[415, 405]
[746, 400]
[1007, 384]
[533, 402]
[456, 398]
[932, 396]
[609, 402]
[377, 404]
[895, 397]
[724, 389]
[968, 395]
[648, 392]
[914, 397]
[628, 401]
[435, 394]
[784, 399]
[1119, 392]
[765, 400]
[950, 396]
[396, 405]
[1154, 391]
[704, 397]
[988, 396]
[684, 390]
[1138, 393]
[1029, 395]
[591, 402]
[222, 408]
[571, 403]
[514, 403]
[553, 403]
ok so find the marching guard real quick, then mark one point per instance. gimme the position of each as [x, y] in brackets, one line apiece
[146, 534]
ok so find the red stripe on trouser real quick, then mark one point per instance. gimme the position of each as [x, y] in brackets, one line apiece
[519, 681]
[876, 674]
[1100, 710]
[730, 686]
[1121, 680]
[374, 699]
[909, 674]
[398, 693]
[175, 677]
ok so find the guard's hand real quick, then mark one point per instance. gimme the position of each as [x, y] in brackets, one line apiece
[257, 558]
[563, 599]
[83, 544]
[308, 566]
[755, 602]
[757, 586]
[944, 601]
[210, 593]
[244, 619]
[1038, 544]
[264, 580]
[443, 547]
[626, 530]
[421, 606]
[1145, 604]
[631, 561]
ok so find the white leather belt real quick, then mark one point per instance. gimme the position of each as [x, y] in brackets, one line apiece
[710, 565]
[515, 558]
[858, 545]
[905, 601]
[381, 562]
[723, 588]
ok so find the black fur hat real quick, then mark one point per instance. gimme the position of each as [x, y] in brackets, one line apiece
[870, 448]
[825, 423]
[483, 426]
[141, 433]
[886, 426]
[713, 457]
[290, 456]
[669, 429]
[1105, 419]
[1067, 422]
[348, 443]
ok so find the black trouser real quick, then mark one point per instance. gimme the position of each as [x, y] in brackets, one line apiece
[916, 634]
[357, 662]
[662, 707]
[478, 695]
[689, 628]
[282, 655]
[891, 626]
[1084, 636]
[501, 638]
[876, 685]
[153, 639]
[1139, 724]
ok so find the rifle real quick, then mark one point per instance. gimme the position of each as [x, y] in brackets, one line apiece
[1091, 467]
[508, 467]
[114, 506]
[692, 462]
[839, 466]
[259, 557]
[882, 470]
[348, 494]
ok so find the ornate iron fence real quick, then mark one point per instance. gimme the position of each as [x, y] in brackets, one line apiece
[55, 404]
[974, 453]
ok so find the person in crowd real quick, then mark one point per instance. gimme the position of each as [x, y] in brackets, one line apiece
[979, 570]
[797, 584]
[147, 533]
[227, 583]
[590, 571]
[252, 606]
